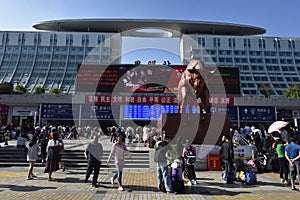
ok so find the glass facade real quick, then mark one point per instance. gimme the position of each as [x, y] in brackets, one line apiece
[51, 59]
[265, 62]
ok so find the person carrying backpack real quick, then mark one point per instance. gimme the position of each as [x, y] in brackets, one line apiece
[189, 157]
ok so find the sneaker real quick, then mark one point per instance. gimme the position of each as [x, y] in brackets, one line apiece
[121, 188]
[172, 193]
[189, 183]
[29, 178]
[34, 176]
[194, 182]
[112, 180]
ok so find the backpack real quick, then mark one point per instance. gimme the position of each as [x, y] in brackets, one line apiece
[190, 156]
[250, 177]
[224, 176]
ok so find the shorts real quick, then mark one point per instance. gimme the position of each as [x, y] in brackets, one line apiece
[295, 171]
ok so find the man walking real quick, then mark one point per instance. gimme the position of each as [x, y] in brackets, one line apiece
[162, 166]
[93, 154]
[292, 154]
[227, 156]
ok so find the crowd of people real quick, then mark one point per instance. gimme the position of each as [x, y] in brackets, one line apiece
[283, 144]
[173, 159]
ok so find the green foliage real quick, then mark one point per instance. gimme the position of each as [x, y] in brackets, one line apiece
[292, 92]
[6, 88]
[55, 91]
[20, 89]
[39, 89]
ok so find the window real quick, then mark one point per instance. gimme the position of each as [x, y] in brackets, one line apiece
[251, 85]
[245, 67]
[280, 79]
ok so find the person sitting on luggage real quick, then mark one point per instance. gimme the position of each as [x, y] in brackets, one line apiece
[189, 157]
[176, 176]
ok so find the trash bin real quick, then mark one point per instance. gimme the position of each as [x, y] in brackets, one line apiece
[214, 162]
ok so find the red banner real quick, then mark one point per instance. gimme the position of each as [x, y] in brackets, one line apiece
[151, 100]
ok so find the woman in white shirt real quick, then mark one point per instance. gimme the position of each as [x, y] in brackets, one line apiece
[119, 150]
[32, 156]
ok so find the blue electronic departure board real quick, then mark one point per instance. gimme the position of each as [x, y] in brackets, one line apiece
[147, 111]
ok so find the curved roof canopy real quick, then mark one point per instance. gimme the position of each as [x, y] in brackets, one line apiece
[133, 27]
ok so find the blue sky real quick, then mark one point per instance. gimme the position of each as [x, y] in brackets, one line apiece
[279, 18]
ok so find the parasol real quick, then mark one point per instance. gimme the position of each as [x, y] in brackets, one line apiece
[276, 126]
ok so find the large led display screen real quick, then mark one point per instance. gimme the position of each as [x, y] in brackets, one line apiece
[149, 79]
[148, 112]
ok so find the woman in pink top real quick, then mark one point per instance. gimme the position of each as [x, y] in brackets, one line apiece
[119, 150]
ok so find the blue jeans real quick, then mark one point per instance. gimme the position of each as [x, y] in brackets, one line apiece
[162, 172]
[119, 173]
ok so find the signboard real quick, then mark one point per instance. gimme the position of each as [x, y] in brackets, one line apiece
[232, 110]
[203, 150]
[296, 114]
[149, 79]
[122, 99]
[253, 113]
[59, 111]
[230, 77]
[146, 112]
[24, 111]
[243, 152]
[100, 112]
[284, 114]
[166, 99]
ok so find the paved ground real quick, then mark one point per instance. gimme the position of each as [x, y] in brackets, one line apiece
[138, 184]
[70, 185]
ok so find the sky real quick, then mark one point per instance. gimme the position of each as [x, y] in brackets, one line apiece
[279, 18]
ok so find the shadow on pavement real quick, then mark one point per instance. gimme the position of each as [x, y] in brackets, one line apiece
[68, 180]
[26, 188]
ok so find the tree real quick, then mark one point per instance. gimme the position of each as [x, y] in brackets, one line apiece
[6, 88]
[20, 89]
[39, 89]
[266, 90]
[292, 92]
[55, 91]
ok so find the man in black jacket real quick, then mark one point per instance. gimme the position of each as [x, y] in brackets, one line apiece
[227, 157]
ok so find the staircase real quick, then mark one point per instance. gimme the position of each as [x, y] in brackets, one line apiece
[73, 159]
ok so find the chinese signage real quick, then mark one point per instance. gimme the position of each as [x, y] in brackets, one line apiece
[24, 111]
[100, 112]
[251, 113]
[59, 111]
[150, 100]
